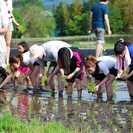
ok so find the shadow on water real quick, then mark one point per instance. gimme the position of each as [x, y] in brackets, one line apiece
[85, 114]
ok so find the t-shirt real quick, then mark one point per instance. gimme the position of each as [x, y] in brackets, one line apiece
[3, 15]
[105, 64]
[27, 59]
[130, 48]
[99, 10]
[51, 49]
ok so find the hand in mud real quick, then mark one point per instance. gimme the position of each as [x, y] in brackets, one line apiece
[96, 88]
[125, 78]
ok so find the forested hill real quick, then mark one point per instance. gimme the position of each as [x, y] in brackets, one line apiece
[49, 3]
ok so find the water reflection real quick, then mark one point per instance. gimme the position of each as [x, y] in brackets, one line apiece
[5, 98]
[70, 111]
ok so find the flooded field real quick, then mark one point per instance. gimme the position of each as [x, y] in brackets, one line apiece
[87, 115]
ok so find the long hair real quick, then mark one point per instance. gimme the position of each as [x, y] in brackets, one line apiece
[16, 58]
[64, 58]
[25, 46]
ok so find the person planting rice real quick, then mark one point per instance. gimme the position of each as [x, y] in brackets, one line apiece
[104, 72]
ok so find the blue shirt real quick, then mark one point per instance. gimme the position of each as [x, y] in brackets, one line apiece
[99, 10]
[130, 49]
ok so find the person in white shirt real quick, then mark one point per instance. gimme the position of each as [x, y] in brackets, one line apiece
[48, 52]
[103, 70]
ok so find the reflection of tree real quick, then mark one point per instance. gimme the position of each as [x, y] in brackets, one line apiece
[5, 99]
[36, 105]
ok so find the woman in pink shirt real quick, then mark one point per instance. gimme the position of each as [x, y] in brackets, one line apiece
[71, 64]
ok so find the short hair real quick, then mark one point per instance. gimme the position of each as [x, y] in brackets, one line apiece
[90, 61]
[103, 0]
[119, 47]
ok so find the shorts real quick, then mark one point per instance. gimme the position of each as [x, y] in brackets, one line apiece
[101, 76]
[99, 32]
[36, 63]
[52, 67]
[24, 70]
[131, 69]
[3, 73]
[78, 75]
[10, 26]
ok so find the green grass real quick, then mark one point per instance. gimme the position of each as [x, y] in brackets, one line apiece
[75, 40]
[10, 124]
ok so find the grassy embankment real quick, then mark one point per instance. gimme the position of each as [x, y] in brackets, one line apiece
[76, 41]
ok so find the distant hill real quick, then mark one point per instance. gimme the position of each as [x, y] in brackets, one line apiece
[48, 4]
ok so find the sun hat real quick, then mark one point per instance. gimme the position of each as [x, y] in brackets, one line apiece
[35, 51]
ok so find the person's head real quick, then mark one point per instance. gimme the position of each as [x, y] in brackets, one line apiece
[16, 60]
[90, 64]
[119, 48]
[36, 52]
[23, 47]
[64, 56]
[105, 1]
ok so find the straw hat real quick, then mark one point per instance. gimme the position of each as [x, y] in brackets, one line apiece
[35, 51]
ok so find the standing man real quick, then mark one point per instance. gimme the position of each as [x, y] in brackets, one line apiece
[98, 21]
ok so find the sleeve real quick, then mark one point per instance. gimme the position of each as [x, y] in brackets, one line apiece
[130, 51]
[79, 60]
[59, 64]
[106, 10]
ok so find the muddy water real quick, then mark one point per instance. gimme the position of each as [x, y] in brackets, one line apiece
[87, 114]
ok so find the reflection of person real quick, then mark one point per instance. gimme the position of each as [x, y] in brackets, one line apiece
[8, 34]
[103, 70]
[5, 97]
[47, 52]
[124, 52]
[22, 48]
[71, 64]
[23, 101]
[98, 20]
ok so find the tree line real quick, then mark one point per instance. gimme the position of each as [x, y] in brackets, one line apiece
[67, 20]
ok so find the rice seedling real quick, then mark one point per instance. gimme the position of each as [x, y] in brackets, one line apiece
[91, 87]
